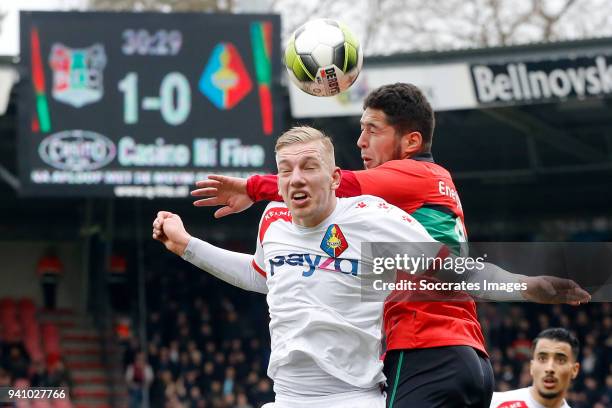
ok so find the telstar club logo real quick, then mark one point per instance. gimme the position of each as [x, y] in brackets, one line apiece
[333, 242]
[225, 79]
[77, 74]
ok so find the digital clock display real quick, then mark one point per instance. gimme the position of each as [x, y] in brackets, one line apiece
[145, 104]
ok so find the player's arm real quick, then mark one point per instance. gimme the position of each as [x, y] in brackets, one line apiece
[235, 268]
[411, 238]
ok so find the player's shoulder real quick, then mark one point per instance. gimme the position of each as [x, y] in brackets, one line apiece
[275, 210]
[273, 205]
[511, 399]
[364, 206]
[375, 213]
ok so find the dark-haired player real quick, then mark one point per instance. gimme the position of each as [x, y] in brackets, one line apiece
[553, 366]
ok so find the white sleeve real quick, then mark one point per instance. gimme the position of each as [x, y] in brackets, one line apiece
[235, 268]
[494, 273]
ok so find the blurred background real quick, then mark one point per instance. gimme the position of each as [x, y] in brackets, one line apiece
[90, 302]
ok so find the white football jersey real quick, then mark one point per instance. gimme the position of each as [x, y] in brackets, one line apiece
[520, 398]
[314, 275]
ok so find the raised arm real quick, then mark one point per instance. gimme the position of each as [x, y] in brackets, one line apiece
[403, 235]
[235, 268]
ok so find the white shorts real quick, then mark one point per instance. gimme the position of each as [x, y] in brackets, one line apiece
[373, 398]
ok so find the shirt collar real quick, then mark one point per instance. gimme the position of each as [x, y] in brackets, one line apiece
[426, 156]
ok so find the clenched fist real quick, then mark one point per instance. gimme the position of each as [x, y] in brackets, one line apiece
[169, 230]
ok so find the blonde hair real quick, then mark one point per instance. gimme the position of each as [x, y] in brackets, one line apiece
[305, 134]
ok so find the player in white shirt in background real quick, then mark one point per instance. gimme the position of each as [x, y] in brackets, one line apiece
[553, 366]
[326, 341]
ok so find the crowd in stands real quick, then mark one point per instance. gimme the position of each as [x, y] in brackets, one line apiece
[30, 353]
[208, 343]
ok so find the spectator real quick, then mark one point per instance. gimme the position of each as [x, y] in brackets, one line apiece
[58, 375]
[18, 362]
[39, 377]
[139, 376]
[228, 383]
[242, 401]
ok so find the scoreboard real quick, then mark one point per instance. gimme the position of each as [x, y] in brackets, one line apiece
[145, 104]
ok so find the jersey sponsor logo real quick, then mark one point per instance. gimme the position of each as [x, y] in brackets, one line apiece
[333, 242]
[312, 262]
[449, 191]
[513, 404]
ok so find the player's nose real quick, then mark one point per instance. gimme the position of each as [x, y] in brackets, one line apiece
[362, 142]
[297, 178]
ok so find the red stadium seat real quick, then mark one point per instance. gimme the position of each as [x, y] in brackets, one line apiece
[40, 403]
[11, 330]
[27, 310]
[51, 339]
[22, 383]
[62, 403]
[7, 303]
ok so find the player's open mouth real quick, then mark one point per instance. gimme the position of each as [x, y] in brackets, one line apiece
[299, 198]
[550, 382]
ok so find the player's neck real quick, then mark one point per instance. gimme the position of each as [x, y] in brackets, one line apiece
[547, 402]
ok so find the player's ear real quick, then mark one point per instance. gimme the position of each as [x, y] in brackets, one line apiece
[336, 178]
[411, 143]
[575, 370]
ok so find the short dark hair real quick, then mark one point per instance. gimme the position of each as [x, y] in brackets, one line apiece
[406, 108]
[559, 334]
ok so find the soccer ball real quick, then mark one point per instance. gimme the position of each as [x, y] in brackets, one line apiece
[323, 57]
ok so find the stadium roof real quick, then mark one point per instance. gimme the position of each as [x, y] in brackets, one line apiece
[477, 53]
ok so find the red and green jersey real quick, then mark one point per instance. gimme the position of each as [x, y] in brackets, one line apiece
[426, 191]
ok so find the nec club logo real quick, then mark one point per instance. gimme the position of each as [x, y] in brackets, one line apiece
[334, 243]
[361, 204]
[77, 74]
[225, 79]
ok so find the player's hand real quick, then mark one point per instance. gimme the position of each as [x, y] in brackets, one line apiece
[230, 192]
[169, 230]
[553, 290]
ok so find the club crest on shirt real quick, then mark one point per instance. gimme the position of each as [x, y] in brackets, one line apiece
[333, 242]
